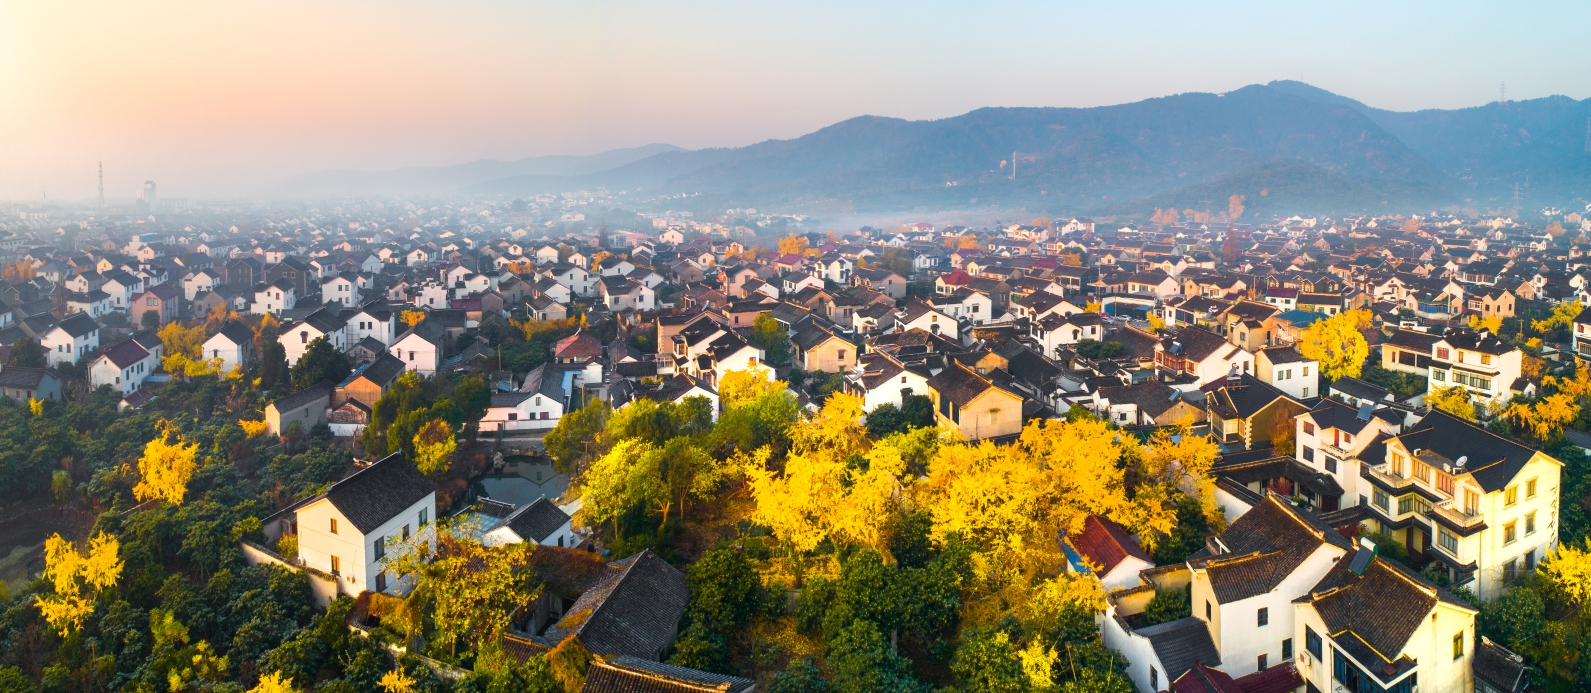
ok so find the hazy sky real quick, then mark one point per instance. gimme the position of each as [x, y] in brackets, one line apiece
[218, 98]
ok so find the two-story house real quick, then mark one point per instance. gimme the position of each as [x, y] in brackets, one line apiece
[70, 339]
[233, 344]
[974, 404]
[357, 527]
[123, 366]
[296, 336]
[1485, 366]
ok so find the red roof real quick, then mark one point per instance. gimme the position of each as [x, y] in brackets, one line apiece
[1106, 544]
[126, 353]
[1280, 292]
[1277, 679]
[1203, 679]
[956, 278]
[577, 346]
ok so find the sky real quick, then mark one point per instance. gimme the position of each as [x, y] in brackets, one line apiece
[217, 99]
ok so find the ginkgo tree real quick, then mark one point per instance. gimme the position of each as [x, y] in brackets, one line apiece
[78, 577]
[1337, 344]
[166, 466]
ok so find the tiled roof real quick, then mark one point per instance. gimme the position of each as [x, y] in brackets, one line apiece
[1493, 460]
[577, 346]
[1264, 545]
[535, 522]
[24, 378]
[635, 611]
[1203, 679]
[1105, 544]
[125, 353]
[1502, 669]
[1180, 643]
[373, 495]
[304, 396]
[1382, 608]
[635, 675]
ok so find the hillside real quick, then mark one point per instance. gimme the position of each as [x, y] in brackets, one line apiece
[1291, 187]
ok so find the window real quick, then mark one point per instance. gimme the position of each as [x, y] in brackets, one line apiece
[1458, 645]
[336, 566]
[334, 525]
[1347, 439]
[1530, 560]
[1530, 488]
[842, 354]
[1447, 540]
[1511, 570]
[1154, 678]
[1264, 616]
[513, 416]
[1511, 496]
[1442, 354]
[1309, 428]
[1510, 533]
[1422, 472]
[1331, 465]
[1382, 501]
[1306, 375]
[381, 547]
[1206, 609]
[1309, 454]
[1444, 483]
[1439, 376]
[1486, 360]
[422, 518]
[1530, 524]
[1312, 641]
[1287, 649]
[1262, 664]
[381, 582]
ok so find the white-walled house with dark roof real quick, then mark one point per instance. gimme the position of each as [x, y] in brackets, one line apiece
[72, 338]
[354, 528]
[124, 366]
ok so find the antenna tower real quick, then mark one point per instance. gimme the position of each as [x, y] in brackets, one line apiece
[1517, 197]
[102, 184]
[1588, 135]
[1502, 94]
[1013, 164]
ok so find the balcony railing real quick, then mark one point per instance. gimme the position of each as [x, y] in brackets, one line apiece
[1382, 473]
[1447, 511]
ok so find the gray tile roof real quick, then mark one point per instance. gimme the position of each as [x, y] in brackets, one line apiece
[373, 495]
[535, 522]
[1180, 643]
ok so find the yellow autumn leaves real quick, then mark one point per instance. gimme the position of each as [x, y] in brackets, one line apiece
[166, 466]
[1337, 344]
[78, 577]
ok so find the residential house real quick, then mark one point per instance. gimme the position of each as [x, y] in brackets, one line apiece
[540, 522]
[1202, 355]
[306, 408]
[1145, 403]
[818, 349]
[233, 344]
[973, 404]
[70, 339]
[370, 380]
[160, 299]
[354, 529]
[879, 378]
[1106, 550]
[21, 384]
[1246, 412]
[296, 336]
[1289, 371]
[421, 347]
[273, 298]
[123, 366]
[1484, 365]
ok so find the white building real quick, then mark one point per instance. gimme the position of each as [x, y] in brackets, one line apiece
[70, 339]
[355, 529]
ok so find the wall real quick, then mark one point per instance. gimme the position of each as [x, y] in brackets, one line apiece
[306, 416]
[321, 585]
[1493, 552]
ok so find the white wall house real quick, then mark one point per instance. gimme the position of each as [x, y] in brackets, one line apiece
[420, 348]
[541, 522]
[296, 337]
[71, 339]
[357, 526]
[123, 366]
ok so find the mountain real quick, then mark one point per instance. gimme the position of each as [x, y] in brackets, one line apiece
[1289, 187]
[1544, 145]
[1066, 158]
[447, 179]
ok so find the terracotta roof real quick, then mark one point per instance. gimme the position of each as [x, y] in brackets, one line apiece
[636, 675]
[577, 346]
[1105, 544]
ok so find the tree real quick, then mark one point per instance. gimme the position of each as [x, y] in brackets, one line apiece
[802, 676]
[860, 662]
[1491, 323]
[1234, 207]
[433, 448]
[987, 662]
[26, 353]
[77, 578]
[1562, 316]
[474, 589]
[1547, 418]
[1337, 344]
[793, 245]
[17, 272]
[1570, 569]
[570, 439]
[1229, 250]
[1453, 400]
[884, 420]
[725, 590]
[182, 345]
[1169, 605]
[273, 365]
[742, 387]
[773, 337]
[166, 466]
[412, 317]
[149, 320]
[320, 362]
[473, 397]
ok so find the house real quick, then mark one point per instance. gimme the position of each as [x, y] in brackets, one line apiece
[920, 315]
[1056, 330]
[1478, 361]
[233, 344]
[370, 381]
[1372, 624]
[675, 389]
[1245, 412]
[203, 280]
[1339, 440]
[123, 366]
[538, 405]
[1106, 550]
[274, 298]
[1249, 324]
[541, 523]
[622, 293]
[421, 347]
[348, 420]
[973, 404]
[340, 289]
[70, 339]
[881, 280]
[350, 530]
[1482, 505]
[879, 378]
[160, 299]
[1202, 355]
[306, 408]
[1155, 283]
[633, 610]
[1287, 370]
[1147, 402]
[1244, 591]
[818, 349]
[297, 336]
[374, 320]
[21, 384]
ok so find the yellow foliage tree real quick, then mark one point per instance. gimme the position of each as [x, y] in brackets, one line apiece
[183, 345]
[1561, 317]
[396, 681]
[1041, 222]
[78, 577]
[1072, 259]
[36, 406]
[793, 245]
[1578, 387]
[253, 428]
[166, 466]
[275, 682]
[1555, 229]
[1156, 323]
[1490, 323]
[1093, 307]
[1453, 400]
[969, 242]
[741, 387]
[1570, 569]
[1546, 418]
[1411, 226]
[1234, 207]
[412, 317]
[17, 272]
[433, 448]
[1337, 344]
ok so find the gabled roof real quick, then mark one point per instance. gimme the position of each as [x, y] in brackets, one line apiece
[1493, 460]
[235, 332]
[635, 675]
[78, 325]
[1180, 643]
[634, 611]
[125, 353]
[373, 495]
[304, 396]
[1374, 615]
[537, 521]
[577, 346]
[1264, 546]
[1106, 544]
[961, 385]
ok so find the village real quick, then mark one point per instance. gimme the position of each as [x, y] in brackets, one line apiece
[1325, 454]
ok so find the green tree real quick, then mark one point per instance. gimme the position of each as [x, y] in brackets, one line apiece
[773, 337]
[987, 662]
[320, 362]
[860, 662]
[473, 397]
[885, 419]
[698, 647]
[917, 411]
[1093, 349]
[802, 676]
[1169, 605]
[725, 590]
[575, 433]
[26, 353]
[273, 365]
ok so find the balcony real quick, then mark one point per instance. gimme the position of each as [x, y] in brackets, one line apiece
[1448, 514]
[1381, 473]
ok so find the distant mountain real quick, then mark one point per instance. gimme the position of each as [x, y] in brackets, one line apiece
[1544, 145]
[1288, 187]
[450, 179]
[1066, 158]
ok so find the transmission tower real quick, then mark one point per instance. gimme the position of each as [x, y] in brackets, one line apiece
[102, 184]
[1502, 94]
[1588, 135]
